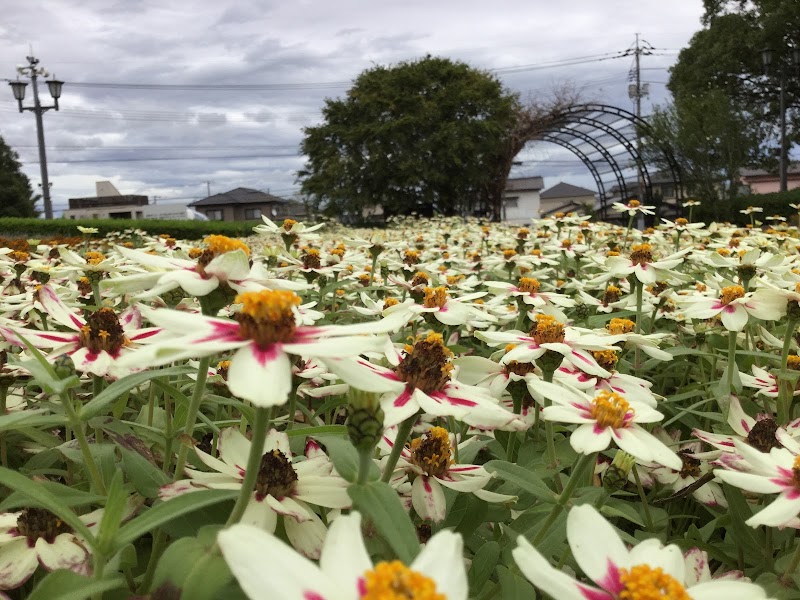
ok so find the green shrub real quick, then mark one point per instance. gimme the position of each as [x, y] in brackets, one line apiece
[191, 230]
[776, 203]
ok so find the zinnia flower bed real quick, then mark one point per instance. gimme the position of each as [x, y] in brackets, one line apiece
[443, 409]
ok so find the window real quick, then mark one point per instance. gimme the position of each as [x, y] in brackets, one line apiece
[214, 214]
[512, 202]
[252, 213]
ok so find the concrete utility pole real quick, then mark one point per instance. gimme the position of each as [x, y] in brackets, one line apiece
[637, 91]
[18, 87]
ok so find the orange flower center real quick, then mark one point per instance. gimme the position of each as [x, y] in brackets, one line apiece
[620, 326]
[435, 297]
[395, 581]
[641, 254]
[730, 293]
[606, 358]
[634, 204]
[547, 330]
[528, 285]
[94, 258]
[267, 316]
[643, 582]
[609, 409]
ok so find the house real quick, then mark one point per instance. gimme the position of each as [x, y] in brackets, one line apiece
[761, 181]
[110, 204]
[565, 197]
[521, 199]
[245, 204]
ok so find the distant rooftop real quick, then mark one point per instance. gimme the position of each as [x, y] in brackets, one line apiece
[240, 195]
[521, 184]
[565, 190]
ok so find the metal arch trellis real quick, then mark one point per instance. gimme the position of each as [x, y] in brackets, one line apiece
[604, 135]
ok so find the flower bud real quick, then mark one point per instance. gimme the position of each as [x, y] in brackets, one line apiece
[616, 476]
[364, 419]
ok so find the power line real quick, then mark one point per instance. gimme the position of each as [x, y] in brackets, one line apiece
[162, 158]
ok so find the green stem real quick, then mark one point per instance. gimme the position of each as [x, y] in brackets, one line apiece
[403, 431]
[292, 408]
[159, 543]
[372, 271]
[260, 424]
[3, 445]
[732, 336]
[364, 465]
[648, 519]
[191, 415]
[94, 473]
[574, 479]
[786, 578]
[785, 391]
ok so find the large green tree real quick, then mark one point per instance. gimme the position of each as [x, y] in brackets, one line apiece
[725, 56]
[419, 135]
[16, 195]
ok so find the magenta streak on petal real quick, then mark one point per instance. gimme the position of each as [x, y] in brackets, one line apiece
[729, 308]
[312, 596]
[362, 587]
[404, 397]
[454, 400]
[145, 335]
[427, 485]
[265, 355]
[792, 494]
[611, 582]
[784, 472]
[58, 338]
[222, 332]
[591, 593]
[581, 357]
[598, 429]
[463, 469]
[745, 426]
[780, 482]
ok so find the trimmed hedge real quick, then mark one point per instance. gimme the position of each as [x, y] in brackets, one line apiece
[189, 230]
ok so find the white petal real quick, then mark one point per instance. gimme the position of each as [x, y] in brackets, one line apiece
[589, 438]
[427, 497]
[539, 572]
[601, 562]
[729, 590]
[266, 568]
[307, 536]
[18, 561]
[264, 377]
[442, 560]
[66, 552]
[344, 557]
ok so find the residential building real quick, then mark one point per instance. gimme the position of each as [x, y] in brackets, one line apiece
[245, 204]
[761, 181]
[521, 199]
[565, 197]
[110, 204]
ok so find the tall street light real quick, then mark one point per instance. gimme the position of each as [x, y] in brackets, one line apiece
[33, 71]
[766, 57]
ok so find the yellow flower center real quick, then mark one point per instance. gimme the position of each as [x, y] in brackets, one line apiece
[523, 232]
[547, 330]
[634, 204]
[609, 409]
[509, 253]
[435, 297]
[620, 326]
[793, 362]
[566, 244]
[19, 256]
[427, 364]
[641, 254]
[311, 259]
[411, 257]
[796, 472]
[681, 222]
[288, 224]
[643, 582]
[420, 278]
[528, 285]
[432, 452]
[94, 258]
[395, 581]
[730, 293]
[267, 316]
[390, 302]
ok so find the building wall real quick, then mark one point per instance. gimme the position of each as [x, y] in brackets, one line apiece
[772, 185]
[547, 205]
[521, 206]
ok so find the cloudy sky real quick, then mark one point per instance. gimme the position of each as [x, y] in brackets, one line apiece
[214, 94]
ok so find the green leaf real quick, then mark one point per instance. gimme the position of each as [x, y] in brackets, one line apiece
[144, 475]
[345, 458]
[66, 495]
[44, 498]
[113, 513]
[66, 585]
[514, 587]
[379, 502]
[483, 563]
[195, 566]
[164, 512]
[523, 478]
[97, 404]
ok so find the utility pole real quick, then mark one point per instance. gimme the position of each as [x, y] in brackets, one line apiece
[637, 91]
[18, 87]
[208, 188]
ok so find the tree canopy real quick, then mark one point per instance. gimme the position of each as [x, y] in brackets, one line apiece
[16, 195]
[419, 135]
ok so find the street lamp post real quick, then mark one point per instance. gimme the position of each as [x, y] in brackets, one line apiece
[766, 57]
[33, 71]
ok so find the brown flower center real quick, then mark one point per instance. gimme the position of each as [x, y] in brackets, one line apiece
[276, 476]
[103, 332]
[432, 452]
[691, 465]
[426, 364]
[35, 523]
[435, 297]
[606, 358]
[311, 259]
[547, 330]
[288, 224]
[641, 254]
[420, 278]
[762, 435]
[267, 316]
[611, 295]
